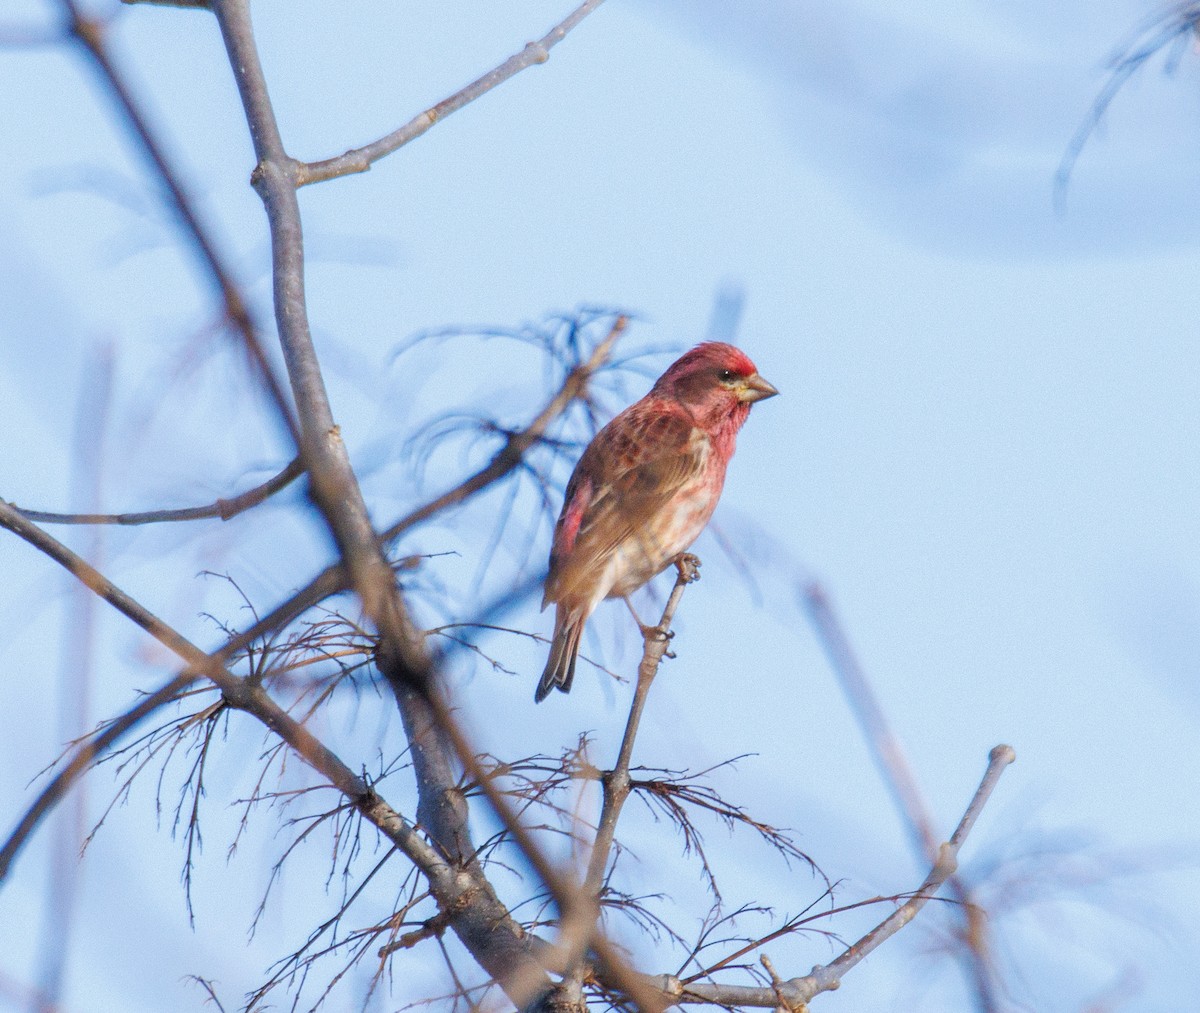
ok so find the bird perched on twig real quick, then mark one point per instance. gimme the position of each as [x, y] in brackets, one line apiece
[643, 491]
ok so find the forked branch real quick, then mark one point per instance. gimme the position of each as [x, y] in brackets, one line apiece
[361, 159]
[825, 978]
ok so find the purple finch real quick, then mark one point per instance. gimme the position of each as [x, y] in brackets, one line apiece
[643, 491]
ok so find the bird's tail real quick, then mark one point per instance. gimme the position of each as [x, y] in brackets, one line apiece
[564, 650]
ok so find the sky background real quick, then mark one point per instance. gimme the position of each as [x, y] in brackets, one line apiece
[984, 451]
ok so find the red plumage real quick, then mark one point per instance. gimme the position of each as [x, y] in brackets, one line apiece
[643, 491]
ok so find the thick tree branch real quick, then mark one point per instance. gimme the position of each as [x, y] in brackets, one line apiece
[361, 159]
[225, 509]
[485, 927]
[334, 486]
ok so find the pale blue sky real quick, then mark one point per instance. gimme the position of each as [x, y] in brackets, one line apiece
[985, 449]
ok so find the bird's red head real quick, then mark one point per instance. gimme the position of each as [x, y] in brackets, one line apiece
[715, 382]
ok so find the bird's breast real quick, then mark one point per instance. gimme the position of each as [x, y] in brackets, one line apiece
[674, 526]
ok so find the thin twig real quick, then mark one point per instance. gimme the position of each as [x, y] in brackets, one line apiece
[237, 692]
[225, 509]
[900, 779]
[1156, 33]
[826, 978]
[329, 582]
[361, 159]
[576, 931]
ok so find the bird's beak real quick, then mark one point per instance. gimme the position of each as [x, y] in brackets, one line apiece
[756, 389]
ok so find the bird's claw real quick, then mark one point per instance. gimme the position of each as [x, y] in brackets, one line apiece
[688, 566]
[657, 633]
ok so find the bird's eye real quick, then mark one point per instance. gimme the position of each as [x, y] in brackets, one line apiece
[725, 376]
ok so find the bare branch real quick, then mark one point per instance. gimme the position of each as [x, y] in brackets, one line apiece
[238, 693]
[826, 978]
[76, 677]
[485, 926]
[902, 782]
[361, 159]
[510, 455]
[1163, 30]
[577, 926]
[225, 509]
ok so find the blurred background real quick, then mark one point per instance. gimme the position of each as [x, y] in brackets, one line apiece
[984, 452]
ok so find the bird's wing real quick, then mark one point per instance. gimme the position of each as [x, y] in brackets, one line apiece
[628, 472]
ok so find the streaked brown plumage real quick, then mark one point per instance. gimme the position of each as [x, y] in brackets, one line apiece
[643, 491]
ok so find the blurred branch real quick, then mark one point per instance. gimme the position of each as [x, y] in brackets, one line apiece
[225, 509]
[76, 671]
[361, 159]
[194, 5]
[1162, 30]
[889, 754]
[899, 777]
[516, 444]
[91, 33]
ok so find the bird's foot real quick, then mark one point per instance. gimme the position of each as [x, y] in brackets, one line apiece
[688, 566]
[651, 633]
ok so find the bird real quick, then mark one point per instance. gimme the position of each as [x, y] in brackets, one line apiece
[643, 490]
